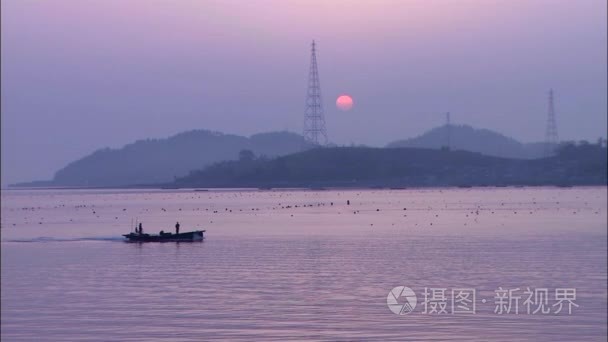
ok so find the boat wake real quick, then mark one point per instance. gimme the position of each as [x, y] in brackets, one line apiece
[77, 239]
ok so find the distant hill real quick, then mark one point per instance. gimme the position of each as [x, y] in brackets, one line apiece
[404, 167]
[161, 160]
[467, 138]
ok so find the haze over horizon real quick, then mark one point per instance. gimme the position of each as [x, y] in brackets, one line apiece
[78, 76]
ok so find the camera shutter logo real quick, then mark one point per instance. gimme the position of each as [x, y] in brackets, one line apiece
[401, 300]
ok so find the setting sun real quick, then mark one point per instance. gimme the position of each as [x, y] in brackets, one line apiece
[344, 102]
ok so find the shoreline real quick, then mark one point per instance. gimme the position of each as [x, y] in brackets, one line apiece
[328, 188]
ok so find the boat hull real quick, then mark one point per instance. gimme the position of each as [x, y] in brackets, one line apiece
[197, 235]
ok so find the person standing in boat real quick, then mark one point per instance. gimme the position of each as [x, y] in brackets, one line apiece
[177, 228]
[141, 229]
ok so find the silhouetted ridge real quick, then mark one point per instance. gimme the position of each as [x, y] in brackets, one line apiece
[161, 160]
[467, 138]
[401, 167]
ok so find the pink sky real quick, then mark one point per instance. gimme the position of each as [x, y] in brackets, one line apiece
[80, 75]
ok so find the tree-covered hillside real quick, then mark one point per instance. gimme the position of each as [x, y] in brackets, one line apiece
[401, 167]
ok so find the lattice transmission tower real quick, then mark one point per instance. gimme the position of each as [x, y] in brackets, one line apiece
[551, 137]
[314, 120]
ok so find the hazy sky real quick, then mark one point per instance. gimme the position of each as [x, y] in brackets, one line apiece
[78, 75]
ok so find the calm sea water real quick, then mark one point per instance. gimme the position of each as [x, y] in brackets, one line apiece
[279, 265]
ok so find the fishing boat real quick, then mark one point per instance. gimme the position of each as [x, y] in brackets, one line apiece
[197, 235]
